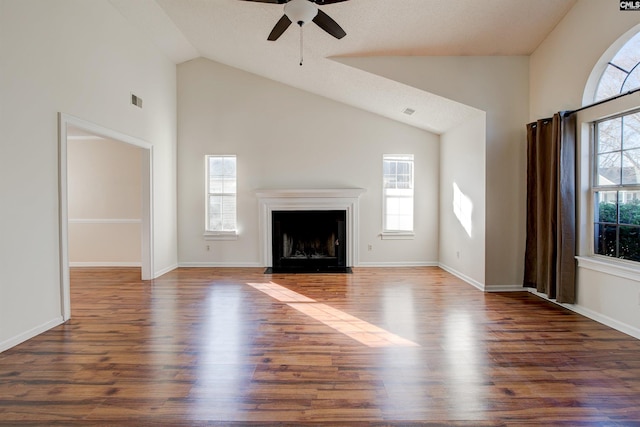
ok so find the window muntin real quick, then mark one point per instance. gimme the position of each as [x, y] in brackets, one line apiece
[221, 194]
[397, 172]
[616, 187]
[622, 73]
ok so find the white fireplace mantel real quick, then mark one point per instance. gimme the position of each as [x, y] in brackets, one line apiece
[346, 199]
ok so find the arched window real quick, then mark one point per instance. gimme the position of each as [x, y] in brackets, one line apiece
[622, 73]
[613, 144]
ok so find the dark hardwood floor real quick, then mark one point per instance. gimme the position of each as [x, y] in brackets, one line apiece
[381, 346]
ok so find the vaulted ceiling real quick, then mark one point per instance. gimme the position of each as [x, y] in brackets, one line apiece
[234, 32]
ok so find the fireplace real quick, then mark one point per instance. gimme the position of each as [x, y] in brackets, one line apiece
[315, 201]
[309, 241]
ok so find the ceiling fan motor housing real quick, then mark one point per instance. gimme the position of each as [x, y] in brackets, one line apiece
[300, 11]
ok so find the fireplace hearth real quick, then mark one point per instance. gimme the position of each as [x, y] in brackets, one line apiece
[309, 241]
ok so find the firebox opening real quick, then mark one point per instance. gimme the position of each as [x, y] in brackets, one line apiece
[309, 241]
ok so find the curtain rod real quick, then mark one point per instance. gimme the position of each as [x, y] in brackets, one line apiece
[602, 101]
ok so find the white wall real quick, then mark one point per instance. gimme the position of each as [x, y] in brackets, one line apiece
[561, 65]
[560, 71]
[104, 202]
[499, 86]
[462, 200]
[81, 58]
[287, 138]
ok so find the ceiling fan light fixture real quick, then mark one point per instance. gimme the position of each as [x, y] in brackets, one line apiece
[300, 11]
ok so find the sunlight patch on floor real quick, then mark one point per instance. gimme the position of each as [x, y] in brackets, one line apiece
[358, 329]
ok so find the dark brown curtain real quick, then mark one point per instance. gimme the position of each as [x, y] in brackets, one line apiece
[550, 264]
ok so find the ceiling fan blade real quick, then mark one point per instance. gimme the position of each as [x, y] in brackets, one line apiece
[325, 22]
[323, 2]
[279, 28]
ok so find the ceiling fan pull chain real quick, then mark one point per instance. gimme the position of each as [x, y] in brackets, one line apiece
[301, 58]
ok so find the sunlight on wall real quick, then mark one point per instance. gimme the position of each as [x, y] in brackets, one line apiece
[462, 207]
[359, 330]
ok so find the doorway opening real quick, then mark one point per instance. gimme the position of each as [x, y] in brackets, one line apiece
[69, 126]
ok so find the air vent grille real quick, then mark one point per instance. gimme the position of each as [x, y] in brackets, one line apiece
[136, 100]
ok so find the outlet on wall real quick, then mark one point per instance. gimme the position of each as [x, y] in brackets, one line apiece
[369, 248]
[208, 248]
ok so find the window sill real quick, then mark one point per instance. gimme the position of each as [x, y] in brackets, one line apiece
[220, 235]
[397, 235]
[620, 268]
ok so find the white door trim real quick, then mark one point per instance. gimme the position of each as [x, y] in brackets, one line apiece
[65, 120]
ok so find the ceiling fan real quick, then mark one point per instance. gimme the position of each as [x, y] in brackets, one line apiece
[301, 12]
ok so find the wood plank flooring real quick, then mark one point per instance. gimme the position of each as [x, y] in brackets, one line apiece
[203, 347]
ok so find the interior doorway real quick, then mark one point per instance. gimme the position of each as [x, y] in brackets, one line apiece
[67, 126]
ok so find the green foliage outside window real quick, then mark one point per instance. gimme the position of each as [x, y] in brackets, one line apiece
[617, 232]
[629, 212]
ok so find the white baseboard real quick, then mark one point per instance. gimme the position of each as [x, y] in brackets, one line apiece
[590, 314]
[505, 288]
[462, 276]
[14, 341]
[593, 315]
[165, 270]
[259, 265]
[481, 286]
[221, 264]
[600, 318]
[121, 264]
[105, 264]
[398, 264]
[606, 320]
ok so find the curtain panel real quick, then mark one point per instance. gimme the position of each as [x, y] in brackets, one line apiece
[550, 265]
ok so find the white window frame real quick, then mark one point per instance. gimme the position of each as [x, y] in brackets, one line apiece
[387, 232]
[596, 187]
[587, 258]
[585, 118]
[211, 234]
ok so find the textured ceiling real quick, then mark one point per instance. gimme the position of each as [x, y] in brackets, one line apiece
[234, 32]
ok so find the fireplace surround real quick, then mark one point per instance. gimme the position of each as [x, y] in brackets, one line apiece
[344, 200]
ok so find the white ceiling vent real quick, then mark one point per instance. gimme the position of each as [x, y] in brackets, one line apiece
[409, 111]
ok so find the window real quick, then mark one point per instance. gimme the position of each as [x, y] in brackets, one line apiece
[616, 186]
[608, 172]
[622, 73]
[397, 171]
[221, 195]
